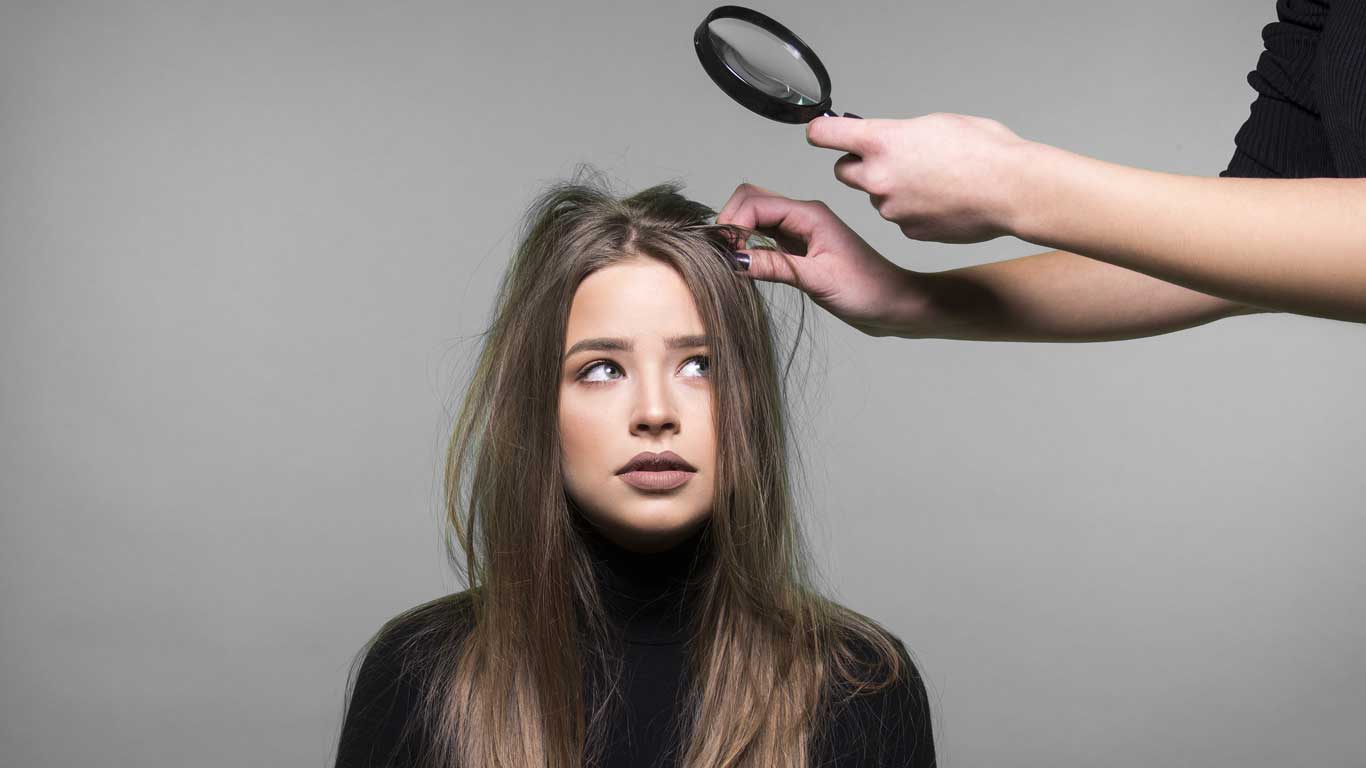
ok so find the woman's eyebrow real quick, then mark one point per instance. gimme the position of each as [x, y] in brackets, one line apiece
[614, 344]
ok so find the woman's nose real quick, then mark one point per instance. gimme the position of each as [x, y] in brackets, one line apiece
[655, 409]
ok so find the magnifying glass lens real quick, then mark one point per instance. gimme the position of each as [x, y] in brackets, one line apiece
[765, 61]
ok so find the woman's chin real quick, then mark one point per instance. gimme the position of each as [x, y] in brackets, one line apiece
[650, 531]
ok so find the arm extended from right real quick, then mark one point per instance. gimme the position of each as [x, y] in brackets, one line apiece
[1052, 296]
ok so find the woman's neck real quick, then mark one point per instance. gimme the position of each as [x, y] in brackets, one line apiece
[648, 595]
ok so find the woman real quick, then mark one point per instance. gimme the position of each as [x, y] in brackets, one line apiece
[618, 484]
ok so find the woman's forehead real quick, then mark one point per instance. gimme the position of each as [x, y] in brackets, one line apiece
[637, 298]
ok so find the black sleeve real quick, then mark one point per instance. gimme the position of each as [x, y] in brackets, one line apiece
[887, 728]
[1283, 135]
[1341, 86]
[379, 729]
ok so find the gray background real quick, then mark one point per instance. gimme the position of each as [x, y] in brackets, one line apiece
[241, 245]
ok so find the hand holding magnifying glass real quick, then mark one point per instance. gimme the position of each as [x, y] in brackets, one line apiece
[941, 177]
[938, 177]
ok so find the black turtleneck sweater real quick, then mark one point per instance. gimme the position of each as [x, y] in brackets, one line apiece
[647, 598]
[1309, 117]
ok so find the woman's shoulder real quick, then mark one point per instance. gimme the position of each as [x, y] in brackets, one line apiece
[877, 662]
[433, 623]
[879, 708]
[379, 726]
[409, 639]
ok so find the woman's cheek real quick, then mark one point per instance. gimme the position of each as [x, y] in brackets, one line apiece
[576, 442]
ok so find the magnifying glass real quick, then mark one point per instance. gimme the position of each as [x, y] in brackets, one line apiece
[763, 65]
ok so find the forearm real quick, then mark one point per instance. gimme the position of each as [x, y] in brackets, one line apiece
[1293, 245]
[1053, 296]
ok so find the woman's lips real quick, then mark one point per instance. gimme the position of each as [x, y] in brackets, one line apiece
[657, 481]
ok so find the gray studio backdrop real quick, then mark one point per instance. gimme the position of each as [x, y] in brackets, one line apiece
[241, 244]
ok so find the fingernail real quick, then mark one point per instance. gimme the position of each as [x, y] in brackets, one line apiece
[739, 261]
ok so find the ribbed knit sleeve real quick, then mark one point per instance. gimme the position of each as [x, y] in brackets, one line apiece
[1283, 135]
[1342, 85]
[1309, 116]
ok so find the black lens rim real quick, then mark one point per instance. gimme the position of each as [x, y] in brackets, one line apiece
[743, 92]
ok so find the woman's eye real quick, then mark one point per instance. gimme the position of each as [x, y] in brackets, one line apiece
[584, 375]
[705, 360]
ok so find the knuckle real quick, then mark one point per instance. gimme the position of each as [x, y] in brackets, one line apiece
[878, 142]
[875, 182]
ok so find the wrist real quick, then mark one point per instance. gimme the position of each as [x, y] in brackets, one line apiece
[1034, 177]
[908, 315]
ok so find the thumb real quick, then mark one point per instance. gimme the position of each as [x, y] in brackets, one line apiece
[772, 265]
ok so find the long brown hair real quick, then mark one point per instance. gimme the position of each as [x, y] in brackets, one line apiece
[502, 671]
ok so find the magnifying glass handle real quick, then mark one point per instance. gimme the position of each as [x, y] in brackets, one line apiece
[833, 113]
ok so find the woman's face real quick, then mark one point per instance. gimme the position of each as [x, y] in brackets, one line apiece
[630, 383]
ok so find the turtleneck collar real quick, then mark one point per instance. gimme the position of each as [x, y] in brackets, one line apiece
[647, 595]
